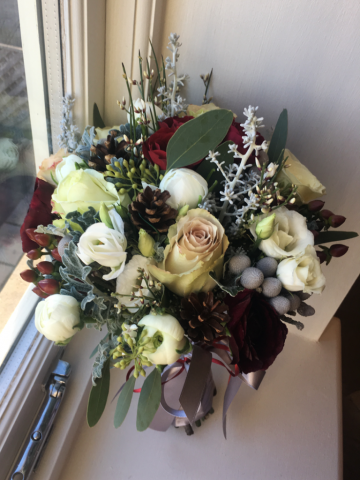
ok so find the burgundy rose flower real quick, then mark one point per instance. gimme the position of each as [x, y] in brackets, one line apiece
[39, 212]
[235, 134]
[154, 149]
[258, 334]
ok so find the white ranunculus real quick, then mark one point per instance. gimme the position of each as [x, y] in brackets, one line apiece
[104, 245]
[140, 105]
[302, 273]
[185, 187]
[128, 280]
[67, 165]
[290, 236]
[172, 335]
[56, 317]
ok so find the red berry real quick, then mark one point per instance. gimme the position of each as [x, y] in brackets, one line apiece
[56, 255]
[315, 205]
[40, 293]
[322, 256]
[46, 268]
[43, 239]
[28, 275]
[49, 286]
[338, 250]
[30, 232]
[326, 214]
[34, 254]
[336, 220]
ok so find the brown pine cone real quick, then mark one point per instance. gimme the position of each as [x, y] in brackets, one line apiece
[203, 316]
[151, 212]
[104, 152]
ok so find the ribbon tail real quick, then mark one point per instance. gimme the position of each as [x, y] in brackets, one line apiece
[231, 390]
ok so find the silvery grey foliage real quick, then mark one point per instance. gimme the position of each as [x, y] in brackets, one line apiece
[159, 253]
[51, 230]
[83, 148]
[103, 354]
[70, 135]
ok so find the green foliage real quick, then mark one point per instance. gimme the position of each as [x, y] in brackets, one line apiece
[149, 400]
[194, 139]
[326, 237]
[97, 120]
[84, 220]
[98, 397]
[206, 167]
[124, 401]
[278, 140]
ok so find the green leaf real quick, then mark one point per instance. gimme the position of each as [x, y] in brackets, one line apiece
[124, 401]
[278, 140]
[193, 140]
[206, 166]
[97, 120]
[326, 237]
[232, 288]
[149, 400]
[98, 396]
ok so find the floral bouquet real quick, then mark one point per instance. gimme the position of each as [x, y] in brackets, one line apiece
[186, 236]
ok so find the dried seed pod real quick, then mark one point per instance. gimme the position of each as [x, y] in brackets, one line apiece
[238, 264]
[251, 278]
[294, 301]
[268, 266]
[281, 304]
[271, 287]
[305, 310]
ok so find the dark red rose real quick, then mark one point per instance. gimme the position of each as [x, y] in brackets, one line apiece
[154, 149]
[258, 334]
[235, 134]
[39, 212]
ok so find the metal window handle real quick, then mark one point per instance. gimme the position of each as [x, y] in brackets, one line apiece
[41, 427]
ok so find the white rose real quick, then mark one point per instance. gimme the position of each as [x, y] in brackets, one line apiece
[171, 334]
[302, 273]
[128, 279]
[290, 236]
[104, 245]
[140, 105]
[56, 317]
[66, 166]
[185, 187]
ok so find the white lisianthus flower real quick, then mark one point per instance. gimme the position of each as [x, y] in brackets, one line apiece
[105, 246]
[302, 273]
[170, 335]
[128, 280]
[290, 236]
[56, 317]
[66, 166]
[185, 187]
[140, 105]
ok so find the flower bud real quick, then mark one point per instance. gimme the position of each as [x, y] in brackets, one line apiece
[28, 275]
[46, 268]
[321, 255]
[30, 232]
[39, 292]
[183, 211]
[265, 228]
[49, 286]
[146, 244]
[336, 220]
[42, 239]
[338, 250]
[34, 254]
[104, 215]
[315, 205]
[326, 214]
[55, 254]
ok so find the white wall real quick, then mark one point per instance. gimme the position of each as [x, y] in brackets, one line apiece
[302, 55]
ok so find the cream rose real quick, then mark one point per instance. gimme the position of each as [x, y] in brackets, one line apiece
[185, 187]
[82, 189]
[290, 236]
[47, 169]
[170, 335]
[56, 317]
[309, 187]
[302, 273]
[197, 247]
[66, 166]
[105, 246]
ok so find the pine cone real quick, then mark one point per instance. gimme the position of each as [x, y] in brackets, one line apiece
[150, 208]
[203, 316]
[103, 152]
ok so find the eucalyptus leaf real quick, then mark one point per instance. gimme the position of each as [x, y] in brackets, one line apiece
[98, 396]
[194, 139]
[232, 288]
[206, 166]
[124, 401]
[278, 140]
[326, 237]
[97, 119]
[149, 400]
